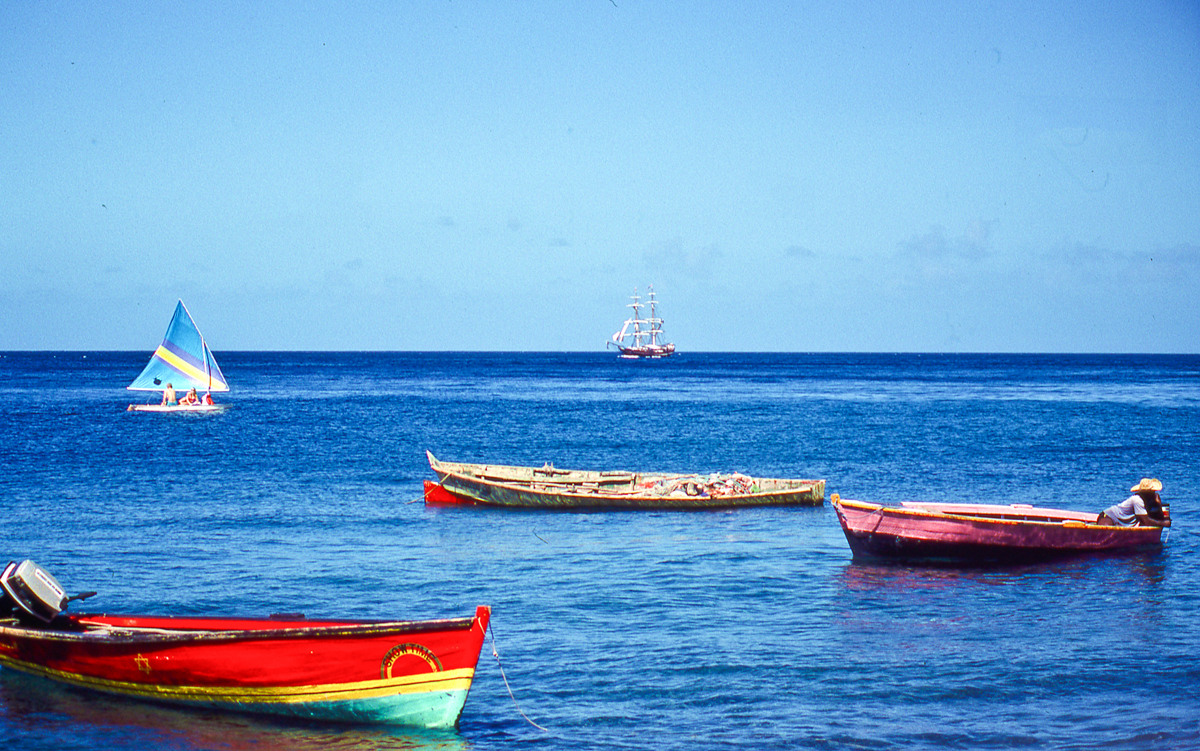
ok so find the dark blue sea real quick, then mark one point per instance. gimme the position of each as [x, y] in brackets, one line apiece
[746, 629]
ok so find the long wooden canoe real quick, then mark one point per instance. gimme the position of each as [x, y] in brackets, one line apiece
[413, 673]
[548, 487]
[980, 532]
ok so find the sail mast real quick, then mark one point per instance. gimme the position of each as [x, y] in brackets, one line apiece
[203, 347]
[207, 362]
[638, 335]
[655, 321]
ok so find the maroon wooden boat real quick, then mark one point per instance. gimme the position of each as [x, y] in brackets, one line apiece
[414, 673]
[972, 532]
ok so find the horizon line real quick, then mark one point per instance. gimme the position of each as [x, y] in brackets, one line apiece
[675, 356]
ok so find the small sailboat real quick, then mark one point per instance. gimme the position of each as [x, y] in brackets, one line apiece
[645, 341]
[183, 361]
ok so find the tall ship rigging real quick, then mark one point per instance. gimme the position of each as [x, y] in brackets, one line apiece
[639, 337]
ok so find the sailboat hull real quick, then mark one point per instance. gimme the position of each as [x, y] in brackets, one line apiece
[176, 408]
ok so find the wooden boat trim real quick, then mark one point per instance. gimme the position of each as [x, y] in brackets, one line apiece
[551, 489]
[565, 482]
[115, 634]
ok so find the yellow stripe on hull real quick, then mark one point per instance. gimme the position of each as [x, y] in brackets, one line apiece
[442, 681]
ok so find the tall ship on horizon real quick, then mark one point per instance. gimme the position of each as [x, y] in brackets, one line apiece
[644, 333]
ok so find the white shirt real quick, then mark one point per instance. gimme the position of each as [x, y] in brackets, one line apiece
[1126, 512]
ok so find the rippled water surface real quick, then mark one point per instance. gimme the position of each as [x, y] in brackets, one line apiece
[748, 629]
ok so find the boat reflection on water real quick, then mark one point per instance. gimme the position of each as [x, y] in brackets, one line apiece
[44, 714]
[912, 616]
[1147, 566]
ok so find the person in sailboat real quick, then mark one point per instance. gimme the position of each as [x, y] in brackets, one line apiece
[191, 398]
[168, 399]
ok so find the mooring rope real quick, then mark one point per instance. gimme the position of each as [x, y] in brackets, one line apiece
[424, 497]
[492, 635]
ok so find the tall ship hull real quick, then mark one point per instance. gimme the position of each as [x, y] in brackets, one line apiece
[649, 352]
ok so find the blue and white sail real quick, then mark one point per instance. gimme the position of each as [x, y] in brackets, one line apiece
[182, 360]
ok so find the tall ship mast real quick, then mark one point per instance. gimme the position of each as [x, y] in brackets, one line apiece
[639, 337]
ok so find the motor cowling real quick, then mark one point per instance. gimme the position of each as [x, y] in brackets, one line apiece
[31, 590]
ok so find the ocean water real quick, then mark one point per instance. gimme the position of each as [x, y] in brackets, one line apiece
[746, 629]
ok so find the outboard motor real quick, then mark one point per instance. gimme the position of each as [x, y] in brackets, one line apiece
[32, 591]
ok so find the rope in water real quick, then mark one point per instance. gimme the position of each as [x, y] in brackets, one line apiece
[424, 497]
[492, 635]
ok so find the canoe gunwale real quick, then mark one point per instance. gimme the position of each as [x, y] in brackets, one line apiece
[811, 493]
[807, 487]
[1016, 518]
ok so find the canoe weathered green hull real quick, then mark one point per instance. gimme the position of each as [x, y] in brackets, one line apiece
[551, 488]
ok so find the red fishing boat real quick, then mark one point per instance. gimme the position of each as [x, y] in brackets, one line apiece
[973, 532]
[414, 673]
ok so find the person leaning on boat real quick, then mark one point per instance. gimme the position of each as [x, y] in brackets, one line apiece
[1143, 508]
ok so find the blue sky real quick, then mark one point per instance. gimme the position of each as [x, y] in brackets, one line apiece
[1017, 177]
